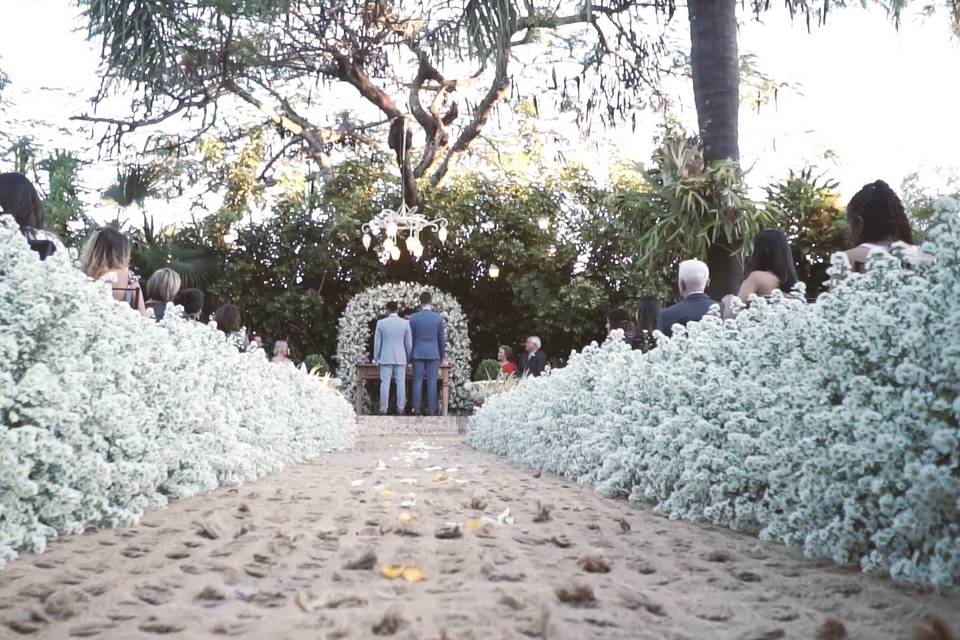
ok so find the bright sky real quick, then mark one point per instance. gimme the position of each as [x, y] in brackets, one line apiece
[870, 102]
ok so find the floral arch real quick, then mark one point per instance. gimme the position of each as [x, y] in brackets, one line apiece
[354, 333]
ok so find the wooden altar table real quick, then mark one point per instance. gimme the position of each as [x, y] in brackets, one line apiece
[370, 371]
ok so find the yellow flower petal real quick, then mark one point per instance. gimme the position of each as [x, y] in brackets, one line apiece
[386, 493]
[413, 574]
[405, 518]
[386, 504]
[440, 477]
[392, 570]
[472, 525]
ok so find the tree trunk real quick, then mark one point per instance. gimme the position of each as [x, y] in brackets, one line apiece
[715, 66]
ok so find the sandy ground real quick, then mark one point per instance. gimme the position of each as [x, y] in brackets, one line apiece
[302, 554]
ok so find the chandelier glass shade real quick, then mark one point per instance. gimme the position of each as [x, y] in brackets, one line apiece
[403, 225]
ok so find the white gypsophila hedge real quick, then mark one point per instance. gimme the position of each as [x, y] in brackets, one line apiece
[832, 426]
[354, 333]
[106, 414]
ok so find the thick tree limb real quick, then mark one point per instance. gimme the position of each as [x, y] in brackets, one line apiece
[497, 92]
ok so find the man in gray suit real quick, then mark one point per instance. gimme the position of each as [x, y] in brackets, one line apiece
[392, 342]
[429, 340]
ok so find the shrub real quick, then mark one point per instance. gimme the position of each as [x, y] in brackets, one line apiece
[834, 426]
[106, 414]
[487, 370]
[316, 365]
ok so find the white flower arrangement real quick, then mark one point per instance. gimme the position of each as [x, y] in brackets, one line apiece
[354, 333]
[106, 414]
[833, 426]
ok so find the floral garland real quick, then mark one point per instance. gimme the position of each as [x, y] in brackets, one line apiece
[354, 334]
[832, 426]
[106, 414]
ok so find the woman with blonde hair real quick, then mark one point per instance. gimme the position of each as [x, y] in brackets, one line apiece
[107, 253]
[162, 287]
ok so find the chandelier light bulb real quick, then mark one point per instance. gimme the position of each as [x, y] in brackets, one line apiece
[389, 244]
[228, 238]
[392, 229]
[366, 241]
[395, 253]
[543, 223]
[494, 271]
[411, 243]
[442, 235]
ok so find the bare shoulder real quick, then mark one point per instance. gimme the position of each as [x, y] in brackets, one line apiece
[761, 283]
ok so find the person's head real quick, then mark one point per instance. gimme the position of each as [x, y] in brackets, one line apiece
[281, 348]
[257, 339]
[426, 299]
[618, 319]
[192, 302]
[771, 252]
[693, 276]
[648, 313]
[106, 250]
[163, 285]
[533, 344]
[875, 215]
[20, 199]
[504, 354]
[228, 318]
[393, 307]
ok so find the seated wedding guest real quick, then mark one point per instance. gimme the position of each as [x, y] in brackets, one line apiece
[162, 287]
[693, 276]
[228, 320]
[648, 313]
[876, 220]
[256, 339]
[534, 361]
[619, 319]
[19, 198]
[281, 352]
[772, 267]
[192, 302]
[505, 358]
[108, 252]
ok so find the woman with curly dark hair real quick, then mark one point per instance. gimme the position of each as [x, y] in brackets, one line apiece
[876, 220]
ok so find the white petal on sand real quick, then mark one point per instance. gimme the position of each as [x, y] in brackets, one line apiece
[356, 483]
[435, 468]
[381, 465]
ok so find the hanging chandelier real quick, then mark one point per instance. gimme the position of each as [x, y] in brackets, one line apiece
[404, 221]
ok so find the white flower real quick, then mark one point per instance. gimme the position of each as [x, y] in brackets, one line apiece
[107, 414]
[831, 426]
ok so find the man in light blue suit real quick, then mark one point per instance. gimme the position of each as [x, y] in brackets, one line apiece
[392, 342]
[429, 338]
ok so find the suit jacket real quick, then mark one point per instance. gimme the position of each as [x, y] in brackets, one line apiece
[533, 364]
[690, 309]
[392, 341]
[429, 335]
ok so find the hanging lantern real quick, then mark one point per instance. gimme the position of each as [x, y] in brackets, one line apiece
[388, 245]
[395, 253]
[410, 243]
[494, 271]
[442, 235]
[366, 241]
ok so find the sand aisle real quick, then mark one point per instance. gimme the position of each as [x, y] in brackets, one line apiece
[300, 555]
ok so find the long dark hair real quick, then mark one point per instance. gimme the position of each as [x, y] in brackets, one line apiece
[648, 313]
[19, 198]
[227, 318]
[771, 252]
[881, 214]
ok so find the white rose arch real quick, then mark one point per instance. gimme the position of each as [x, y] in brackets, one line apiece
[354, 333]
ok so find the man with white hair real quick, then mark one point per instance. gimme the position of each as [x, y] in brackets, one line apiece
[693, 278]
[534, 361]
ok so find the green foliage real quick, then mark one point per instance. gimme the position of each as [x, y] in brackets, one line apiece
[316, 364]
[811, 215]
[680, 207]
[487, 370]
[62, 204]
